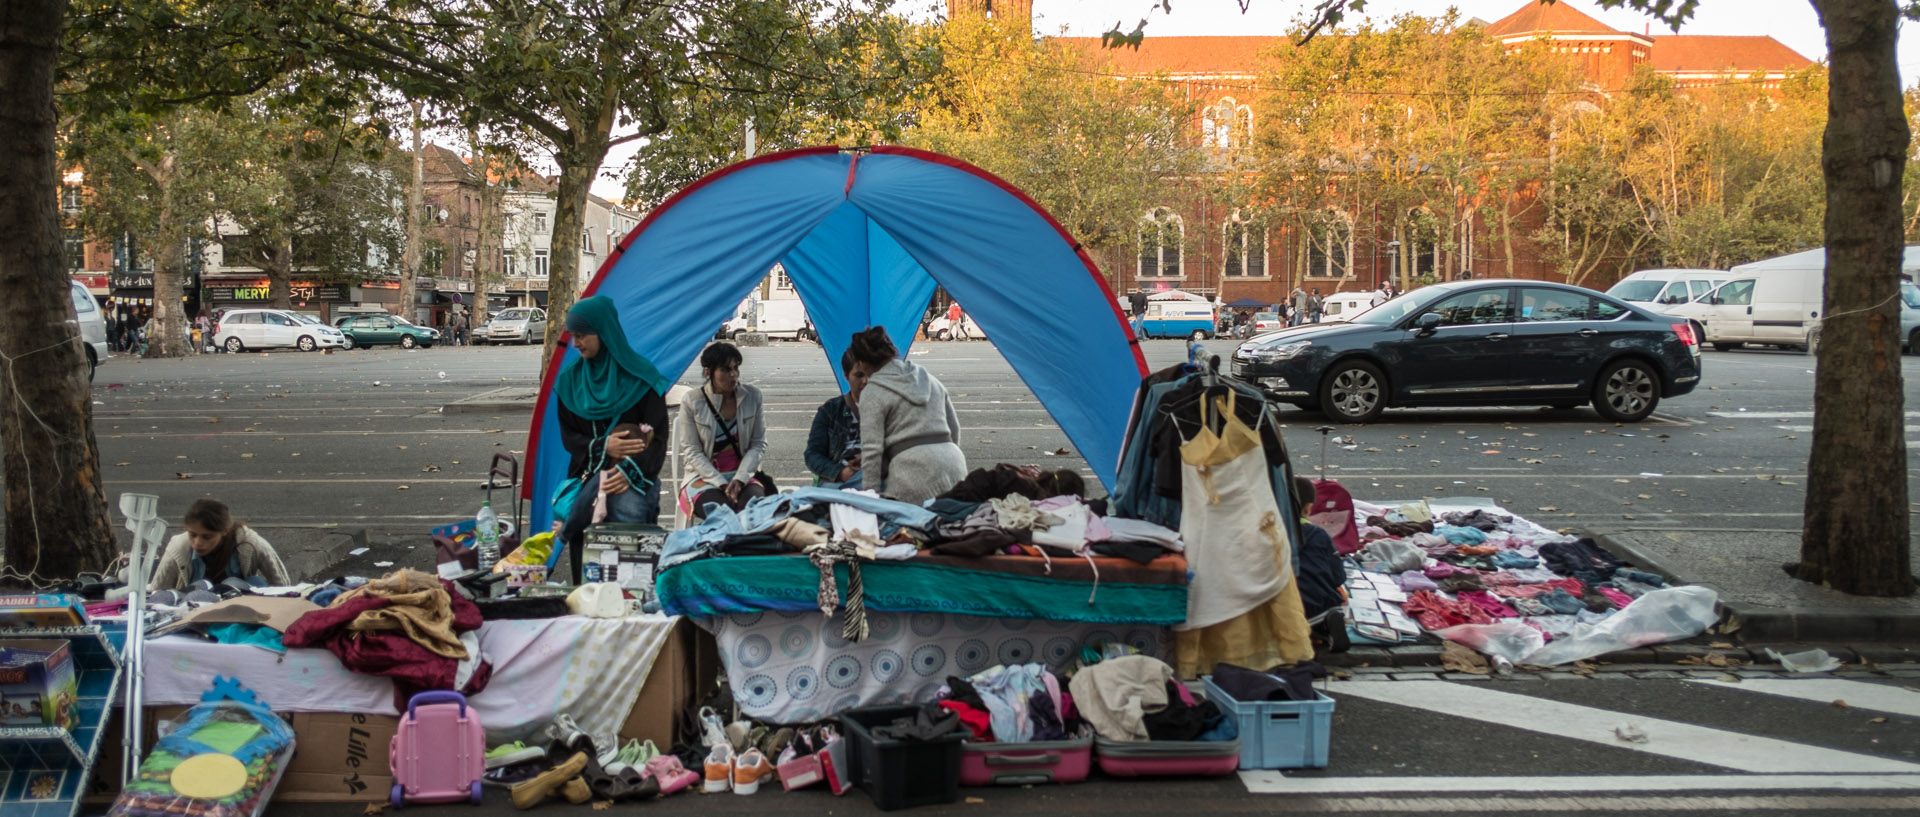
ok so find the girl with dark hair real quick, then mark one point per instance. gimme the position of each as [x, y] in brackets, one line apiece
[217, 547]
[833, 444]
[612, 406]
[722, 436]
[909, 434]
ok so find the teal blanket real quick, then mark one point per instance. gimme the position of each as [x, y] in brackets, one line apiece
[994, 586]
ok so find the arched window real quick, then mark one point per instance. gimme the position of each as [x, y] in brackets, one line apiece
[1246, 243]
[1423, 242]
[1330, 245]
[1162, 234]
[1226, 125]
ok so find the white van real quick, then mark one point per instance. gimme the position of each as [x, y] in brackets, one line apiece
[92, 323]
[1658, 288]
[782, 318]
[1776, 302]
[1341, 307]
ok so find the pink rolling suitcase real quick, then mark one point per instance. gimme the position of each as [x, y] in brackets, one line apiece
[439, 752]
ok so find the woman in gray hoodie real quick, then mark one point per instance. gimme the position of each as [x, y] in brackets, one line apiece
[909, 435]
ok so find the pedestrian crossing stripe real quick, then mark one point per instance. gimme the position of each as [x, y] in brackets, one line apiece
[1681, 741]
[1274, 782]
[1892, 700]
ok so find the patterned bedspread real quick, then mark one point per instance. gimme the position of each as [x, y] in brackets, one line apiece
[794, 667]
[1107, 591]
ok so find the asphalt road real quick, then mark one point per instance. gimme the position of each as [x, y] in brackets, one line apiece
[356, 439]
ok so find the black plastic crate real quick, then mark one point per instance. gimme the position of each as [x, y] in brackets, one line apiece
[901, 773]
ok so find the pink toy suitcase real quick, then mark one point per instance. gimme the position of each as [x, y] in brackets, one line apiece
[1164, 758]
[439, 752]
[1020, 764]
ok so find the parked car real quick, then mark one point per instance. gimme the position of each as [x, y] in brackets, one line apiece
[1480, 343]
[92, 324]
[1267, 322]
[1777, 301]
[375, 330]
[239, 330]
[521, 324]
[1910, 317]
[1666, 287]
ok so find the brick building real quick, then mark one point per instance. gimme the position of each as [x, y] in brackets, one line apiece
[1214, 251]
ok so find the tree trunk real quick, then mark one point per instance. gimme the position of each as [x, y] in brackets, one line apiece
[1855, 537]
[410, 257]
[569, 215]
[57, 525]
[485, 264]
[167, 337]
[277, 263]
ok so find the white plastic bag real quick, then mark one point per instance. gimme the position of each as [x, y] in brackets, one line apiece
[1509, 640]
[1657, 617]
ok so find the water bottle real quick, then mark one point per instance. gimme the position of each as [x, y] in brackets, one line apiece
[486, 535]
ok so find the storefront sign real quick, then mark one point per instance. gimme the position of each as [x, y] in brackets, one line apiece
[131, 280]
[261, 292]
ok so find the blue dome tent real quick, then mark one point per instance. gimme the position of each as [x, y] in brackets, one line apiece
[865, 237]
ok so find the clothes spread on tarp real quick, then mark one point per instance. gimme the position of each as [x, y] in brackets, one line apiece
[408, 626]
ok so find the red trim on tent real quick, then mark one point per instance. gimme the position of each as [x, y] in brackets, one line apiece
[851, 167]
[559, 354]
[1139, 358]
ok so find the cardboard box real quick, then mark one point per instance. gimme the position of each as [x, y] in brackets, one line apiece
[624, 554]
[45, 610]
[37, 683]
[338, 758]
[683, 673]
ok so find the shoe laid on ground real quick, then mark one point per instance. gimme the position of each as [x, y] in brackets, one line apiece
[777, 742]
[712, 731]
[748, 770]
[672, 774]
[536, 791]
[621, 758]
[719, 768]
[738, 734]
[564, 737]
[509, 776]
[646, 753]
[513, 753]
[576, 791]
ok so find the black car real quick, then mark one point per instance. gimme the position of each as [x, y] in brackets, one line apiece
[1480, 343]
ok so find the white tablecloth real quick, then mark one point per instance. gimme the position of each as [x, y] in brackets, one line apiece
[589, 668]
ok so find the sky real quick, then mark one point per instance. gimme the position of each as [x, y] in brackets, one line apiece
[1790, 21]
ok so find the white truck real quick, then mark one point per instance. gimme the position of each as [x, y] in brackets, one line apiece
[783, 318]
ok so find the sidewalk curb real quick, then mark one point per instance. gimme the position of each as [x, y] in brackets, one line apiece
[1759, 624]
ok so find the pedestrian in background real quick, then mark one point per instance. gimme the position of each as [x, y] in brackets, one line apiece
[1302, 306]
[1315, 304]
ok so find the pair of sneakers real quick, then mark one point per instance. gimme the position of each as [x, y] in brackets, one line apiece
[634, 755]
[741, 773]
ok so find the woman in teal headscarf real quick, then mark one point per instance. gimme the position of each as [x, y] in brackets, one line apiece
[613, 409]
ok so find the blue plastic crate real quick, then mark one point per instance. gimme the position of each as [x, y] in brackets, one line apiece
[1278, 734]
